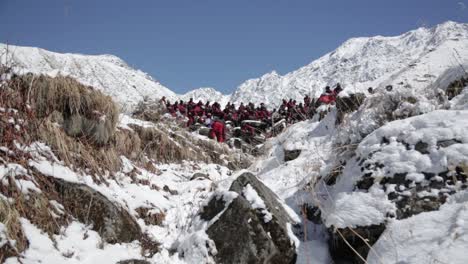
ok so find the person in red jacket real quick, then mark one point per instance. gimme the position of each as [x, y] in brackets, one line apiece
[198, 109]
[218, 130]
[307, 101]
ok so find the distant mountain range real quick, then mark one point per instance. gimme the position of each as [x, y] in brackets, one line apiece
[419, 59]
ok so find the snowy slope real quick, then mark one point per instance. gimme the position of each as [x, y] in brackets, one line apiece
[107, 73]
[206, 94]
[415, 60]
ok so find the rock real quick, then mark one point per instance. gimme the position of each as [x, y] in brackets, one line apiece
[204, 131]
[312, 213]
[421, 147]
[342, 253]
[167, 189]
[447, 143]
[134, 261]
[113, 223]
[200, 176]
[242, 234]
[291, 154]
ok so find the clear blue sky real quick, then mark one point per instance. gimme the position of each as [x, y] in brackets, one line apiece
[216, 43]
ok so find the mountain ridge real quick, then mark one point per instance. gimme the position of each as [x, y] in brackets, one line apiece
[416, 59]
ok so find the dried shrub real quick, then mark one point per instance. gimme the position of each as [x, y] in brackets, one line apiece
[150, 217]
[17, 241]
[86, 112]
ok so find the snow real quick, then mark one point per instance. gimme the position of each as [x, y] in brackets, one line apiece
[179, 209]
[419, 59]
[431, 237]
[422, 60]
[257, 202]
[12, 170]
[206, 94]
[431, 128]
[75, 244]
[107, 73]
[358, 209]
[126, 120]
[415, 59]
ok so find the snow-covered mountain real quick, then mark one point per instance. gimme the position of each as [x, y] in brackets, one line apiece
[107, 73]
[206, 94]
[415, 60]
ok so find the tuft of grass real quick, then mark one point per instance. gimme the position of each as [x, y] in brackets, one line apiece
[86, 112]
[9, 217]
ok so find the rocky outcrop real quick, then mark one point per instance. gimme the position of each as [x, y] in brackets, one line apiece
[113, 223]
[133, 261]
[291, 154]
[252, 228]
[200, 176]
[415, 164]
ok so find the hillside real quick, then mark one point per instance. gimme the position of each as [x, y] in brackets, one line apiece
[378, 179]
[107, 73]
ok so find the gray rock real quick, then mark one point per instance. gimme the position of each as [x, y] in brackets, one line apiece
[421, 147]
[447, 143]
[291, 154]
[113, 223]
[133, 261]
[200, 176]
[340, 250]
[241, 234]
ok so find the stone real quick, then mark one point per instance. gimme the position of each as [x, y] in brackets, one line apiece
[241, 233]
[342, 253]
[134, 261]
[291, 154]
[200, 176]
[421, 147]
[112, 222]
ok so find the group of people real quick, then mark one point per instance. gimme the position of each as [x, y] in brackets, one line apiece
[215, 117]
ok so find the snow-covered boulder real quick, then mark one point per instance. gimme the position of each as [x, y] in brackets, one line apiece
[402, 169]
[113, 223]
[431, 237]
[253, 227]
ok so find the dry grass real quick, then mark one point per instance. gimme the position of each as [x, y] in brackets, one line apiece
[35, 206]
[86, 112]
[151, 218]
[9, 217]
[78, 153]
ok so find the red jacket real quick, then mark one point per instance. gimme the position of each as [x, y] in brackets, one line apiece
[327, 98]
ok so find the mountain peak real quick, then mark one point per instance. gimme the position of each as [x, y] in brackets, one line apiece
[412, 59]
[107, 73]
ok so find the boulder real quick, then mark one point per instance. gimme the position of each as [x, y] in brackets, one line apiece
[245, 232]
[291, 154]
[113, 223]
[200, 176]
[134, 261]
[341, 251]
